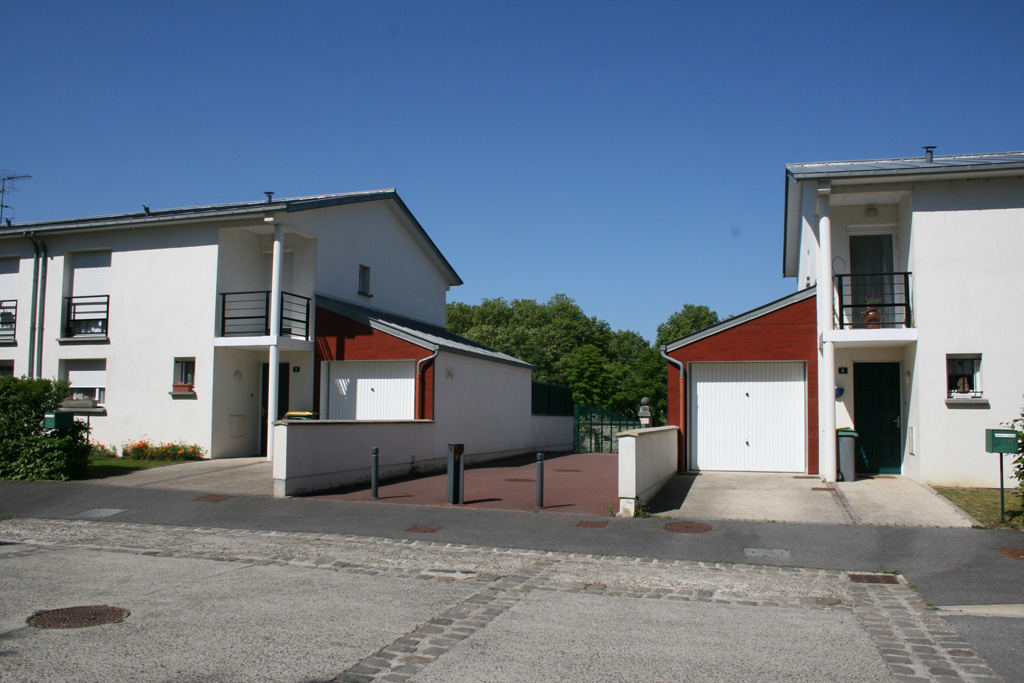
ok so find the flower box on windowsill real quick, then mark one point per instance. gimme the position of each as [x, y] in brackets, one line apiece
[78, 403]
[182, 387]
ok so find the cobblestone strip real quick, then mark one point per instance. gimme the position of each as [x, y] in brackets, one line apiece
[844, 505]
[411, 653]
[915, 641]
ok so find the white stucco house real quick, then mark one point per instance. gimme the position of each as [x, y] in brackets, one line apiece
[166, 322]
[904, 327]
[918, 273]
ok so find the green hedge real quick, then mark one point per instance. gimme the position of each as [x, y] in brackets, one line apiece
[27, 450]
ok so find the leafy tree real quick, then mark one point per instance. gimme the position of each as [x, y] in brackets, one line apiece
[608, 369]
[690, 319]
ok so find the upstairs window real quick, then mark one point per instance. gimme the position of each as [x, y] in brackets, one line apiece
[8, 298]
[364, 280]
[88, 378]
[89, 304]
[963, 375]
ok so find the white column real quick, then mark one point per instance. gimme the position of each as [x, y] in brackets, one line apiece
[275, 332]
[826, 350]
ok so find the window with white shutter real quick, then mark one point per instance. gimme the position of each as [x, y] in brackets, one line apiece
[8, 297]
[88, 306]
[88, 378]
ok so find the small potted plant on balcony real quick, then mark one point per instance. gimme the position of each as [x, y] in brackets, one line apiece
[872, 314]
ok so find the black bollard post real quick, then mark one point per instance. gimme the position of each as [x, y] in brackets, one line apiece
[540, 482]
[462, 477]
[374, 465]
[456, 473]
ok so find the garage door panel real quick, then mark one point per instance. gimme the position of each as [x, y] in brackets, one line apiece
[371, 390]
[748, 417]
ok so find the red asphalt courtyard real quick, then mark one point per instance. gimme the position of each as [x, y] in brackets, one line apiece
[580, 483]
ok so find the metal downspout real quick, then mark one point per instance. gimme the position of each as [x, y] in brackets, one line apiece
[419, 382]
[35, 298]
[42, 311]
[681, 461]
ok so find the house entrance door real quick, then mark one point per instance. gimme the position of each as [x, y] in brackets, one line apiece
[876, 414]
[282, 401]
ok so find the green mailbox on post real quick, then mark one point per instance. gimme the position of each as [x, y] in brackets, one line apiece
[58, 420]
[1000, 441]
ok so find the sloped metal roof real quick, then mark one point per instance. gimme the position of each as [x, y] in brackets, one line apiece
[153, 217]
[907, 166]
[414, 331]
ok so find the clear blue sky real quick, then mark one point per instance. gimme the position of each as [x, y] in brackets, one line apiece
[628, 154]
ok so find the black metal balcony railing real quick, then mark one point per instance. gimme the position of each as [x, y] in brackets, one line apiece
[874, 301]
[8, 319]
[247, 314]
[86, 315]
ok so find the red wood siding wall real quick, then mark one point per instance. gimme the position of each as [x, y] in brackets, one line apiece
[341, 338]
[788, 334]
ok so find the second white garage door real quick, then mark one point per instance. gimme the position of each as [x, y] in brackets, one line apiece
[748, 417]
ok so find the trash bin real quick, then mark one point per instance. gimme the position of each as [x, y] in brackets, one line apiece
[846, 452]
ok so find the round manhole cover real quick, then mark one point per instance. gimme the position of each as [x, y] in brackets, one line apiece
[78, 617]
[687, 527]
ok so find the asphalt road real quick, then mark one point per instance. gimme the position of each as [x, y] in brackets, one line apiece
[940, 566]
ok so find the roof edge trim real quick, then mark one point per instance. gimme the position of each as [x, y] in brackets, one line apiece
[742, 318]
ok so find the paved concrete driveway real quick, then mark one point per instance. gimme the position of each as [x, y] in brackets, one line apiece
[227, 476]
[585, 484]
[756, 497]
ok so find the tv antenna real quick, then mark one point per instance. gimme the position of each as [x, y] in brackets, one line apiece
[7, 179]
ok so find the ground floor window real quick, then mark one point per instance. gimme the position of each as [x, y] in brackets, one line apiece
[963, 375]
[88, 378]
[6, 368]
[185, 371]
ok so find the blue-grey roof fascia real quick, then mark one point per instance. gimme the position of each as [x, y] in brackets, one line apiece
[138, 218]
[961, 163]
[742, 318]
[415, 332]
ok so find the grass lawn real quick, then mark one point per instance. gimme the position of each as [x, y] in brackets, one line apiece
[109, 467]
[983, 505]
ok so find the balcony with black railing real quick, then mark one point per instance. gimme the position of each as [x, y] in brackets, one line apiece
[8, 320]
[872, 301]
[247, 314]
[87, 316]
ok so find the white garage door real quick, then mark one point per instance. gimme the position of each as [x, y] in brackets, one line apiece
[748, 417]
[371, 390]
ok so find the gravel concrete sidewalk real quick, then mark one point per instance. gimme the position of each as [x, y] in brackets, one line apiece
[233, 605]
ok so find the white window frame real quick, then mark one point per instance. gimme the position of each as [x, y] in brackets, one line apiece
[970, 384]
[88, 381]
[185, 371]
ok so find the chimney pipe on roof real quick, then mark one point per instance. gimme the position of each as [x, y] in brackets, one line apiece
[928, 153]
[269, 197]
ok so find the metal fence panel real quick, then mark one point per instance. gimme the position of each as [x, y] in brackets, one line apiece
[597, 429]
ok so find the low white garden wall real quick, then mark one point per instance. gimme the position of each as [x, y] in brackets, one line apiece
[647, 460]
[315, 455]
